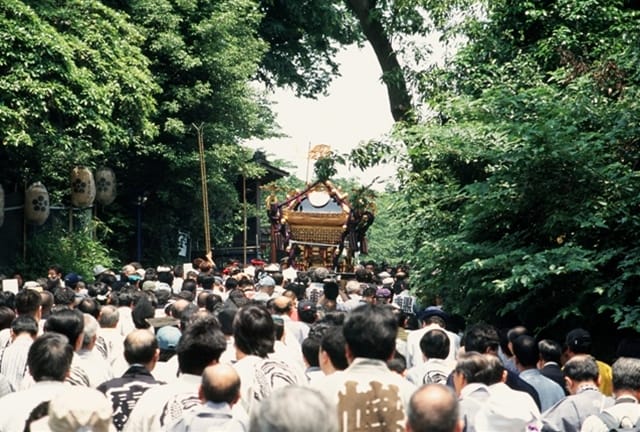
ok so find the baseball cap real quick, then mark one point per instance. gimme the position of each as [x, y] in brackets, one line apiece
[267, 281]
[307, 306]
[168, 338]
[307, 310]
[579, 340]
[432, 311]
[72, 279]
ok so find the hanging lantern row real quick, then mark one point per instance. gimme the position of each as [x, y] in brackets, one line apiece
[105, 186]
[36, 204]
[84, 190]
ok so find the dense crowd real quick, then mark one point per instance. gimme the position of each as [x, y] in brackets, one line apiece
[264, 347]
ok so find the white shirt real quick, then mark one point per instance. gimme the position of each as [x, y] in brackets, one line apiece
[125, 323]
[16, 407]
[367, 391]
[152, 413]
[94, 365]
[414, 353]
[110, 344]
[167, 371]
[433, 371]
[14, 360]
[508, 410]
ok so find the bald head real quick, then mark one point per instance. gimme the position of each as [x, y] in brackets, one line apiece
[282, 305]
[220, 383]
[433, 407]
[179, 307]
[141, 346]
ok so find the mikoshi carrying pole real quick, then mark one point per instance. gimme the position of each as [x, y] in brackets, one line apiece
[205, 194]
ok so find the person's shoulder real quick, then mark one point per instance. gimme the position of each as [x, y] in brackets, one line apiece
[5, 338]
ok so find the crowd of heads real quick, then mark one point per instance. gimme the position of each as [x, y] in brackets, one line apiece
[191, 316]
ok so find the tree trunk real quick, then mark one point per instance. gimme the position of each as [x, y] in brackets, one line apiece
[392, 75]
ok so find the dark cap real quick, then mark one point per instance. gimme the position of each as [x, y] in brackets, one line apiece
[306, 305]
[579, 341]
[307, 311]
[72, 279]
[432, 311]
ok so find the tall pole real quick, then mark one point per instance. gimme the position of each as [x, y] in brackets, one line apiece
[205, 194]
[308, 161]
[244, 220]
[139, 229]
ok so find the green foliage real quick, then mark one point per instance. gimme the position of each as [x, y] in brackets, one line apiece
[75, 251]
[75, 85]
[122, 84]
[524, 189]
[304, 37]
[202, 55]
[387, 235]
[325, 167]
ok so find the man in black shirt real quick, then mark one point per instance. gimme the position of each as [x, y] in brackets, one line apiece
[141, 352]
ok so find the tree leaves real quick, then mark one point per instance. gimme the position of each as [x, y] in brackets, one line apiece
[525, 200]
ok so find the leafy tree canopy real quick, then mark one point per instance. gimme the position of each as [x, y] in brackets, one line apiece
[75, 85]
[523, 188]
[303, 38]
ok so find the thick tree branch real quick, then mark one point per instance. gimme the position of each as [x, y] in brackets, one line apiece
[392, 75]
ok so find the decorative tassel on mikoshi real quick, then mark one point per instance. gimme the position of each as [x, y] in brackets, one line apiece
[83, 188]
[36, 204]
[105, 186]
[1, 205]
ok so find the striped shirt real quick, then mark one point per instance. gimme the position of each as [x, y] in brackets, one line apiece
[14, 360]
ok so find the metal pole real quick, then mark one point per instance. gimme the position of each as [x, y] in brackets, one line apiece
[308, 161]
[139, 231]
[244, 220]
[205, 194]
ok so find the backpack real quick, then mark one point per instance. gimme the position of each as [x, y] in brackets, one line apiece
[615, 425]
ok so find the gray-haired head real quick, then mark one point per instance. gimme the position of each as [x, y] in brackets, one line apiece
[626, 374]
[90, 330]
[273, 414]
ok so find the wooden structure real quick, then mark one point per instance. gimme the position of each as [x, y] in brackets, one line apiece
[253, 241]
[318, 227]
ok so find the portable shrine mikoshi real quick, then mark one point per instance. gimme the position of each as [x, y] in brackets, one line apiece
[319, 227]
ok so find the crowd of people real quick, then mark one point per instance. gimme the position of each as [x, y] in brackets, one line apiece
[266, 348]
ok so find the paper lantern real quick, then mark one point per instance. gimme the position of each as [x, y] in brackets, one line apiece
[36, 204]
[83, 188]
[1, 205]
[105, 186]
